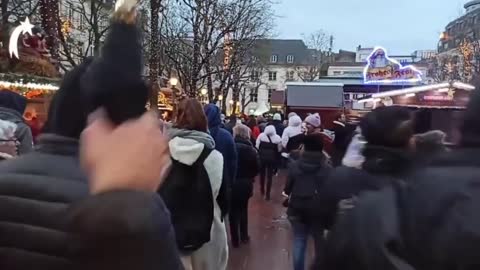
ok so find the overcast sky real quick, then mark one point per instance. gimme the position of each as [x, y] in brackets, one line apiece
[401, 26]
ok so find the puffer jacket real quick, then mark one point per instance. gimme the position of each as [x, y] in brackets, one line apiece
[48, 221]
[294, 129]
[12, 107]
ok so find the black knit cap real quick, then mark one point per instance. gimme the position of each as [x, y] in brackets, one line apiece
[114, 80]
[313, 142]
[67, 115]
[388, 127]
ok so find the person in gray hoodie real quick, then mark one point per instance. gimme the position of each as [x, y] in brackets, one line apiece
[12, 107]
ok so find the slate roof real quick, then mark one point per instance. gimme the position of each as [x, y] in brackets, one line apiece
[282, 48]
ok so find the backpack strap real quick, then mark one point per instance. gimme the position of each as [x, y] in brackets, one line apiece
[203, 156]
[270, 139]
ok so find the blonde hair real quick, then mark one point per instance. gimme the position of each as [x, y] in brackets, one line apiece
[242, 131]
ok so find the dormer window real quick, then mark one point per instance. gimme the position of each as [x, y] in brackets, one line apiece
[274, 58]
[290, 59]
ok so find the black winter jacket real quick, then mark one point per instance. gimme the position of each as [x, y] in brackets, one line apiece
[381, 166]
[430, 222]
[248, 167]
[305, 183]
[48, 221]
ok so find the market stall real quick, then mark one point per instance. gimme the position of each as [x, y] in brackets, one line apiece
[437, 106]
[27, 68]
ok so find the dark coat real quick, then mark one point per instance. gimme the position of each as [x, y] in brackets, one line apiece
[44, 197]
[279, 127]
[306, 178]
[12, 107]
[381, 166]
[248, 168]
[444, 233]
[225, 144]
[429, 222]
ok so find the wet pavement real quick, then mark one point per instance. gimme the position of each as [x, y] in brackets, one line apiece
[270, 235]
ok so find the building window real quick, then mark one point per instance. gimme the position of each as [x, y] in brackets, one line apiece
[272, 75]
[254, 95]
[270, 91]
[290, 75]
[274, 58]
[290, 59]
[255, 75]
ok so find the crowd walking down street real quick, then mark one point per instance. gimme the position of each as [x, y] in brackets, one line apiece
[108, 185]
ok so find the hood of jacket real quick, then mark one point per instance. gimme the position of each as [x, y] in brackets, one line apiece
[240, 140]
[187, 145]
[295, 121]
[270, 131]
[310, 162]
[213, 116]
[12, 106]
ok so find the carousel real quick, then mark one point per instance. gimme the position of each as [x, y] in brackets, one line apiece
[27, 68]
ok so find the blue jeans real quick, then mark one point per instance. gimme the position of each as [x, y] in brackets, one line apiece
[301, 231]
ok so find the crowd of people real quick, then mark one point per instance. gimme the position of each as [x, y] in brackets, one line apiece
[108, 185]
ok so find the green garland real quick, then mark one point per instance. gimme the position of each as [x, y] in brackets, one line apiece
[26, 78]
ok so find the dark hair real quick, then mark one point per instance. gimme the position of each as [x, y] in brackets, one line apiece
[252, 122]
[190, 115]
[388, 126]
[313, 142]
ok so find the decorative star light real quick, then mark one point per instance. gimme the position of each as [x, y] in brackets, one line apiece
[417, 73]
[23, 28]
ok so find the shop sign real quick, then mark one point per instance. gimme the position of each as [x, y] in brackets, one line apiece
[382, 69]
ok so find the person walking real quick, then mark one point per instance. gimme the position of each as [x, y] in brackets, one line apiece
[248, 167]
[262, 123]
[291, 138]
[269, 145]
[255, 130]
[93, 210]
[226, 146]
[304, 186]
[278, 124]
[197, 174]
[12, 107]
[389, 161]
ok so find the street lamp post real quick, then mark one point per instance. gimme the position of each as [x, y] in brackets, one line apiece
[203, 94]
[173, 84]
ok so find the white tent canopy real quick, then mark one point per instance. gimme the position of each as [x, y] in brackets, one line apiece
[261, 109]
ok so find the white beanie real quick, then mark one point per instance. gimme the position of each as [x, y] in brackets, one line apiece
[290, 115]
[314, 120]
[277, 117]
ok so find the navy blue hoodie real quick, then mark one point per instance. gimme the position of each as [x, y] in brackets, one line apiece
[225, 144]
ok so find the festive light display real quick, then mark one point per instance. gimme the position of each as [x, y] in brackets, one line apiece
[417, 89]
[23, 28]
[382, 69]
[8, 85]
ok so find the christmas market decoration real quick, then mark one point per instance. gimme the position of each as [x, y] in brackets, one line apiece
[23, 28]
[382, 69]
